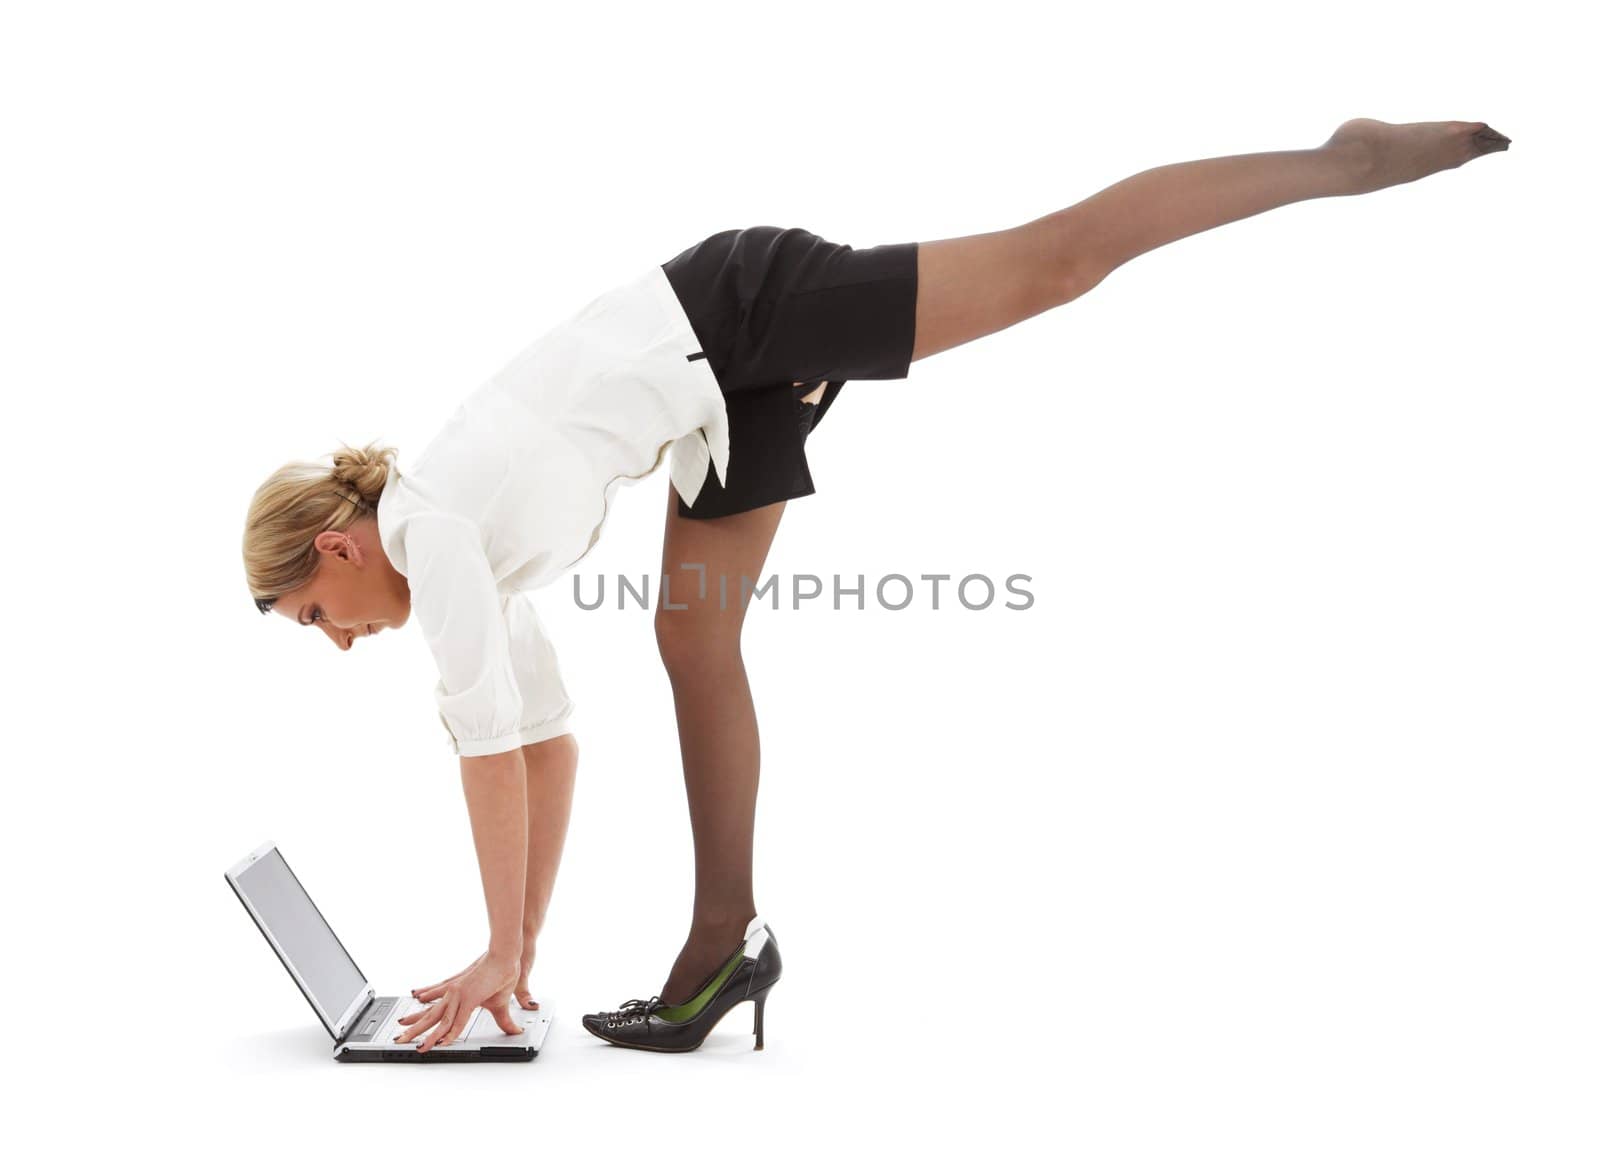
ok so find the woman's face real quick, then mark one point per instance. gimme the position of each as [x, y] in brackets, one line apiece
[355, 592]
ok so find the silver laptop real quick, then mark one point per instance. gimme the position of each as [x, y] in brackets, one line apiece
[363, 1027]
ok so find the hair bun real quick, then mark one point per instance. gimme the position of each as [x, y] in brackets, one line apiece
[365, 469]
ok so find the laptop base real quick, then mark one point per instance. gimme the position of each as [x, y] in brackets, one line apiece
[442, 1056]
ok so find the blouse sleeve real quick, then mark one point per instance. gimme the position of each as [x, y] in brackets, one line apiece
[457, 605]
[546, 707]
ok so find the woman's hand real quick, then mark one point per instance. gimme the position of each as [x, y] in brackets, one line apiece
[487, 982]
[529, 942]
[433, 991]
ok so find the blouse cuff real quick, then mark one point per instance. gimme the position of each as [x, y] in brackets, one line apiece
[487, 746]
[551, 728]
[537, 733]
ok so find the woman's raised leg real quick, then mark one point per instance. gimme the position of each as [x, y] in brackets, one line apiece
[968, 287]
[699, 639]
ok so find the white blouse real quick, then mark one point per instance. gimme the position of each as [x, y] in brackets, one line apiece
[516, 487]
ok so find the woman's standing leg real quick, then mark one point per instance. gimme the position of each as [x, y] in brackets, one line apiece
[699, 639]
[968, 287]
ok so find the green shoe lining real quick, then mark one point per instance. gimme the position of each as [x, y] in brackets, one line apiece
[677, 1013]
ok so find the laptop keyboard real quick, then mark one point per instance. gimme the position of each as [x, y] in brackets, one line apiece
[481, 1024]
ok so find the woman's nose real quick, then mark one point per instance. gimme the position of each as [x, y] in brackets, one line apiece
[342, 637]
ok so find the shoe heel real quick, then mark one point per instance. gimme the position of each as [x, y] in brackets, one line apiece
[761, 1016]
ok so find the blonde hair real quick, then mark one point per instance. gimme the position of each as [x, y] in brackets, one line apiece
[296, 504]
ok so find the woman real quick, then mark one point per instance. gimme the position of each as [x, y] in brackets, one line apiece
[727, 355]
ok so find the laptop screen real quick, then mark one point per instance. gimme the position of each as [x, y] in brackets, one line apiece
[305, 941]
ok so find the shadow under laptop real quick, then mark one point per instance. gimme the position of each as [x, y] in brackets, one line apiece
[284, 1046]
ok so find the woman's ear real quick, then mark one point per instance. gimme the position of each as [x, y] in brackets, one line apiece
[338, 544]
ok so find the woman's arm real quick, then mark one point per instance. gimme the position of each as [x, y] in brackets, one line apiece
[497, 801]
[551, 767]
[497, 804]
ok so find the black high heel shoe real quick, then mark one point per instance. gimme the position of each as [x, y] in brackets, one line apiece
[748, 974]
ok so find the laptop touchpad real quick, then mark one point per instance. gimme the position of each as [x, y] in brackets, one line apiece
[483, 1025]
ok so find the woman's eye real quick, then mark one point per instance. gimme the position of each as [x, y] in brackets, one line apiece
[316, 616]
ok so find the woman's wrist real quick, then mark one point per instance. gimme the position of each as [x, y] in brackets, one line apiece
[504, 953]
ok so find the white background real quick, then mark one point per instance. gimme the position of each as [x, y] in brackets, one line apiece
[1264, 841]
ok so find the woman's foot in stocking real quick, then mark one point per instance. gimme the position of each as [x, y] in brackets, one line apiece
[708, 947]
[1385, 154]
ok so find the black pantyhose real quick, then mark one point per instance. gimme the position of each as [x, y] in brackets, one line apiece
[699, 640]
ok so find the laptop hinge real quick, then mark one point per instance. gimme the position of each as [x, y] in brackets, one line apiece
[356, 1019]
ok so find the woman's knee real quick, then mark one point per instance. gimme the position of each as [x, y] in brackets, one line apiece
[692, 639]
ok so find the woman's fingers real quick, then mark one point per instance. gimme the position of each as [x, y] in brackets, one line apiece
[501, 1008]
[449, 1008]
[424, 1017]
[434, 991]
[523, 998]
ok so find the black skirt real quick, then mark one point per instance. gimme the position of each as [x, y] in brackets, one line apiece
[775, 307]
